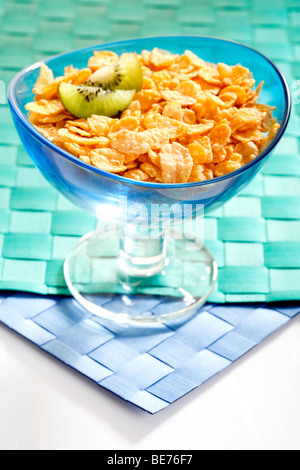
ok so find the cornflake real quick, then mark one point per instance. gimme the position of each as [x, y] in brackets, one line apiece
[176, 163]
[192, 121]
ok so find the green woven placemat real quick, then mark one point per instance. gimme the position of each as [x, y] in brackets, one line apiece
[255, 238]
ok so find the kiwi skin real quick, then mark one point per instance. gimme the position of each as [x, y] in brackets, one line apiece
[124, 75]
[83, 101]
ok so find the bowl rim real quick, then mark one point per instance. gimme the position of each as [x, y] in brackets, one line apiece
[63, 153]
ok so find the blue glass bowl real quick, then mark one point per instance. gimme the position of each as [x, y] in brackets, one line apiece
[100, 192]
[91, 188]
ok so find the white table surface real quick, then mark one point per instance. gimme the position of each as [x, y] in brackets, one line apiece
[254, 404]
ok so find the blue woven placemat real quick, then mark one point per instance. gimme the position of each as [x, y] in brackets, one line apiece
[149, 367]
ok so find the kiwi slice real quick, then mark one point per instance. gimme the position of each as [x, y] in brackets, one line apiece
[83, 101]
[124, 75]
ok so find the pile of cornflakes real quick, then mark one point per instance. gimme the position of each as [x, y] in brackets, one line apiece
[192, 121]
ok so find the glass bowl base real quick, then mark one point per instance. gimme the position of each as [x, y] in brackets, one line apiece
[96, 278]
